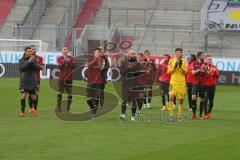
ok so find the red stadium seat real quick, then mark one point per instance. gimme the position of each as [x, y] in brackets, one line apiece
[5, 9]
[85, 17]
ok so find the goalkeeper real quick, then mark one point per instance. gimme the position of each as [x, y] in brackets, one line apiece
[177, 67]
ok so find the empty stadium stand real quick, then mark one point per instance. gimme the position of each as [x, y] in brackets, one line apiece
[16, 16]
[54, 14]
[158, 25]
[161, 26]
[86, 16]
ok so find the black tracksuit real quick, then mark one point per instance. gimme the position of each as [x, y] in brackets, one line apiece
[130, 79]
[27, 79]
[27, 73]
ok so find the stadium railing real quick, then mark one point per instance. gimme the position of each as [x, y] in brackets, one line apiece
[159, 40]
[180, 5]
[67, 23]
[26, 29]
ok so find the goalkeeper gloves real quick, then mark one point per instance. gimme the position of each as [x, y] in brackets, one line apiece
[178, 64]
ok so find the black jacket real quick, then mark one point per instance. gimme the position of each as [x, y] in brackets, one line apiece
[27, 73]
[130, 78]
[105, 69]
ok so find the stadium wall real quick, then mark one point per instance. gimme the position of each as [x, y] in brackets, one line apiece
[9, 70]
[50, 58]
[229, 68]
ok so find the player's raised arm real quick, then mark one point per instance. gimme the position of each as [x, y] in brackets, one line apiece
[195, 71]
[99, 62]
[91, 61]
[36, 66]
[104, 60]
[61, 63]
[128, 62]
[71, 62]
[203, 68]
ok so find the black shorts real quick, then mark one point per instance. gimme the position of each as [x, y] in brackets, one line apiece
[93, 90]
[211, 90]
[64, 85]
[30, 92]
[164, 87]
[138, 88]
[199, 91]
[189, 86]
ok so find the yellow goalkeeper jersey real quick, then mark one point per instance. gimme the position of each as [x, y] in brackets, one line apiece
[177, 74]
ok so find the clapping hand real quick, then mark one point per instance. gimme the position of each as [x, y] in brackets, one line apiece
[203, 68]
[130, 65]
[178, 64]
[32, 58]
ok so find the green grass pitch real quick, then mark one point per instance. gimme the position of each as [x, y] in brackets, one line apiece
[108, 138]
